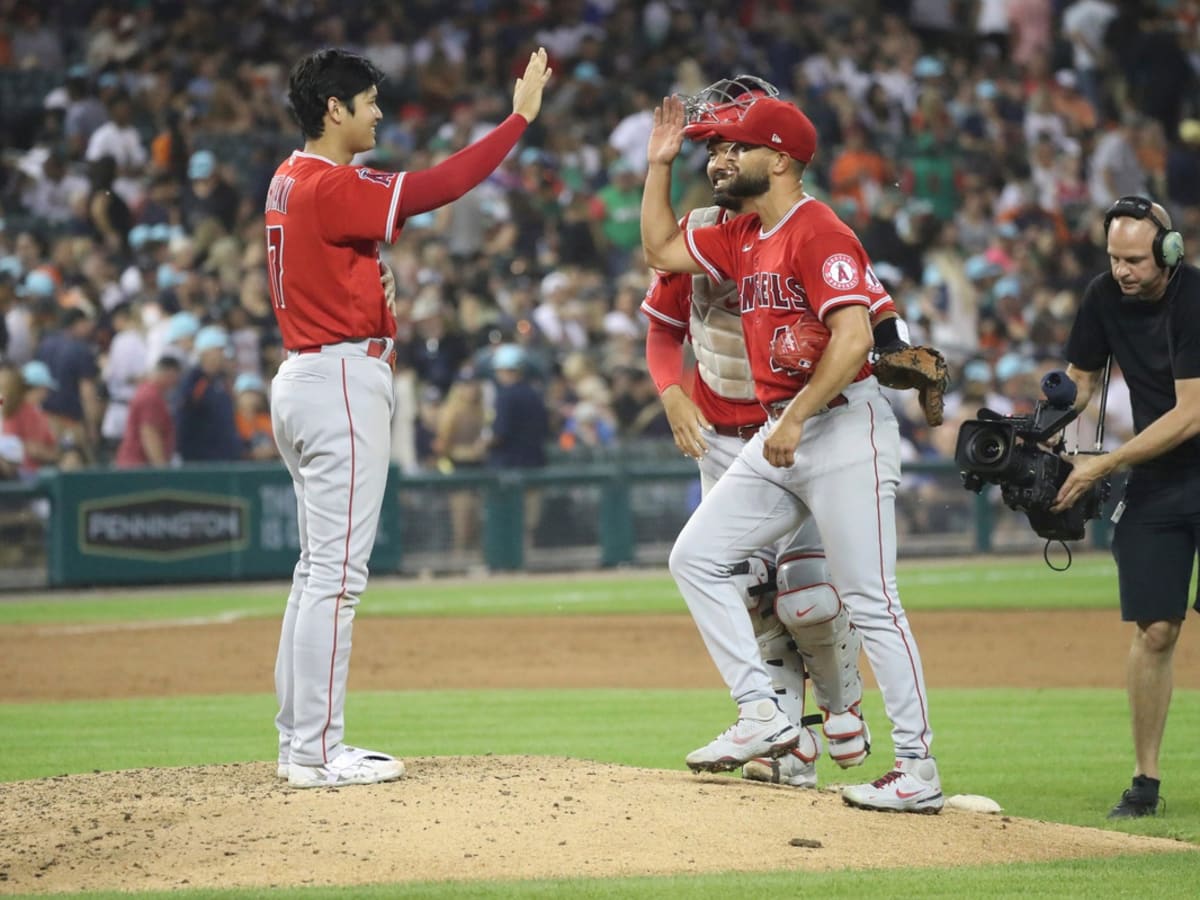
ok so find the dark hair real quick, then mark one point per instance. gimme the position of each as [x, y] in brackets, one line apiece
[72, 315]
[325, 74]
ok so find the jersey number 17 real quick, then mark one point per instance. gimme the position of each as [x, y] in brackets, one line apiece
[275, 264]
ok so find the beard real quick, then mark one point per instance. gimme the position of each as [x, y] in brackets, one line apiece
[733, 194]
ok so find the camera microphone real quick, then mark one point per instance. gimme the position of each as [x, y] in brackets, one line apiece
[1060, 390]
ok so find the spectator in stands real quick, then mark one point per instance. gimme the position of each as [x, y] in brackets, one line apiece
[621, 199]
[624, 320]
[520, 427]
[28, 300]
[209, 195]
[174, 337]
[126, 365]
[34, 44]
[74, 405]
[52, 191]
[434, 351]
[11, 454]
[22, 393]
[553, 317]
[1083, 24]
[1114, 166]
[948, 114]
[108, 215]
[636, 406]
[588, 425]
[1162, 76]
[460, 443]
[859, 173]
[84, 111]
[149, 438]
[114, 38]
[119, 138]
[1031, 23]
[253, 415]
[205, 427]
[629, 137]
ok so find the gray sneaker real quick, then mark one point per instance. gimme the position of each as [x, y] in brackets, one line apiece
[912, 786]
[761, 730]
[351, 766]
[797, 768]
[788, 769]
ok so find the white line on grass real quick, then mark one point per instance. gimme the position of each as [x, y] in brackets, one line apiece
[224, 618]
[974, 576]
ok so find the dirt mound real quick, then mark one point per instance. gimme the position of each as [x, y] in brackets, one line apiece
[468, 818]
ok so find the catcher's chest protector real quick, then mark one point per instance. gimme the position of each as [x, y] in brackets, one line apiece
[716, 327]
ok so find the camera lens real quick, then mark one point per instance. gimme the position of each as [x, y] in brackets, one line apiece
[987, 448]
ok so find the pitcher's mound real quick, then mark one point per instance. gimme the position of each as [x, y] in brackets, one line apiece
[509, 817]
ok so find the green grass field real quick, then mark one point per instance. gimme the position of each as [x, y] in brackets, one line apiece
[1058, 755]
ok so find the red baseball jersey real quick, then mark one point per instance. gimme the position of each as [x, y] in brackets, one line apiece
[669, 301]
[324, 224]
[809, 264]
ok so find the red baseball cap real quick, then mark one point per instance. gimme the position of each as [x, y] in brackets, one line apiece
[772, 123]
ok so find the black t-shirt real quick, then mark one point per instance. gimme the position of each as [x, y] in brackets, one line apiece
[1154, 342]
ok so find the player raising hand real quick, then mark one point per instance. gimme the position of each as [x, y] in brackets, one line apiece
[332, 399]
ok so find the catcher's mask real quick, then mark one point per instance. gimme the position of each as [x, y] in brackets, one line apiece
[723, 101]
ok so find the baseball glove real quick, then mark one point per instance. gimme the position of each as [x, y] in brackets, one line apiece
[798, 346]
[922, 368]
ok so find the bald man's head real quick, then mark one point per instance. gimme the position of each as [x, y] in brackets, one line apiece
[1131, 237]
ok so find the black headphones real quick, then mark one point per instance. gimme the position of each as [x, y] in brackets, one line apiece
[1168, 243]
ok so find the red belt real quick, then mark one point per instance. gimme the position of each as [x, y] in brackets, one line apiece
[745, 432]
[377, 348]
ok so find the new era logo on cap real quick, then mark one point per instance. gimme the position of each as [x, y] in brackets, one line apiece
[771, 123]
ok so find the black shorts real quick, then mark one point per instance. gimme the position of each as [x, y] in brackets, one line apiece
[1155, 544]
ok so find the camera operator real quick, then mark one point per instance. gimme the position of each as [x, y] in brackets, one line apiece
[1145, 312]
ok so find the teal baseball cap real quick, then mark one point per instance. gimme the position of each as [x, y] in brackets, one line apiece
[36, 373]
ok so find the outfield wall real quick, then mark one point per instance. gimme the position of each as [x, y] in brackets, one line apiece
[238, 522]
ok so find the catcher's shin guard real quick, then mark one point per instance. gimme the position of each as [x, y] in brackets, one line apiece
[811, 611]
[783, 663]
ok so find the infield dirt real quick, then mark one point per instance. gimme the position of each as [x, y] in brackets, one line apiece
[497, 817]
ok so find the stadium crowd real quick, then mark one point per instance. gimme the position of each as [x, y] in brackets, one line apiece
[973, 146]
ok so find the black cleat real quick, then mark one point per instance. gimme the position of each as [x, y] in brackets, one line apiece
[1139, 800]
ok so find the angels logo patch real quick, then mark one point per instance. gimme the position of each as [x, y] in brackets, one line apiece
[384, 179]
[874, 285]
[840, 272]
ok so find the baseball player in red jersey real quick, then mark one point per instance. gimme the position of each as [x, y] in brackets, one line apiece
[831, 448]
[712, 425]
[332, 397]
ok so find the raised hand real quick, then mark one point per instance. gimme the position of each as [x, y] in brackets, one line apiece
[666, 138]
[527, 95]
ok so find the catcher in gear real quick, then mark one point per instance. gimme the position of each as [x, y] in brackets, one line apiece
[803, 630]
[830, 453]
